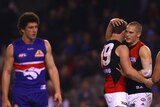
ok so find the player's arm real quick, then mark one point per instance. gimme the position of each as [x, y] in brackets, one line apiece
[156, 72]
[108, 33]
[146, 60]
[113, 22]
[123, 52]
[8, 65]
[53, 72]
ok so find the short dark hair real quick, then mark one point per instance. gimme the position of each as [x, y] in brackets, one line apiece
[25, 18]
[120, 28]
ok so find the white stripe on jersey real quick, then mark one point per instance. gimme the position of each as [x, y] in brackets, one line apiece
[33, 62]
[37, 69]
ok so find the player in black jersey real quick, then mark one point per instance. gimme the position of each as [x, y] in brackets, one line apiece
[140, 55]
[113, 54]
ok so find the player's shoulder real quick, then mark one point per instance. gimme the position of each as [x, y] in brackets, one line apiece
[9, 49]
[122, 46]
[158, 55]
[122, 50]
[10, 46]
[145, 48]
[46, 42]
[143, 45]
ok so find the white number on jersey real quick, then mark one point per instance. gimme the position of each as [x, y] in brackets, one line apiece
[106, 54]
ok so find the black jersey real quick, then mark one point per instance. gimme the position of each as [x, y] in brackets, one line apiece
[115, 82]
[133, 86]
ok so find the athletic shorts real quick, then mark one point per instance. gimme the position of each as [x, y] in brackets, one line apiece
[33, 99]
[140, 100]
[116, 99]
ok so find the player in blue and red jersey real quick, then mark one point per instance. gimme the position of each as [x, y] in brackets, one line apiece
[30, 57]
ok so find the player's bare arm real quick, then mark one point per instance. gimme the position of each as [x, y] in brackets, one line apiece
[156, 72]
[113, 22]
[8, 65]
[123, 52]
[146, 60]
[53, 72]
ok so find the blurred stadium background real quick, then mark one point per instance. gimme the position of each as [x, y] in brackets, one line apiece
[75, 29]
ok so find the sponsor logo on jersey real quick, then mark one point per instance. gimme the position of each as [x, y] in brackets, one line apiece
[29, 49]
[124, 103]
[43, 87]
[107, 71]
[22, 55]
[39, 53]
[139, 87]
[133, 59]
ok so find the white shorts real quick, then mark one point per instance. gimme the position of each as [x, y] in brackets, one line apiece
[116, 99]
[140, 100]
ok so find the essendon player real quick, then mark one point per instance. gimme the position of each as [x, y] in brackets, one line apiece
[114, 54]
[140, 56]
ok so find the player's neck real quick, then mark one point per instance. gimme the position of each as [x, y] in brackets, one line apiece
[27, 40]
[134, 43]
[117, 37]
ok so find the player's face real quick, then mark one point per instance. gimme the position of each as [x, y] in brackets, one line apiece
[30, 31]
[131, 35]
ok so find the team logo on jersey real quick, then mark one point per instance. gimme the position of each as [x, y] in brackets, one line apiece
[133, 59]
[143, 99]
[32, 73]
[22, 55]
[39, 53]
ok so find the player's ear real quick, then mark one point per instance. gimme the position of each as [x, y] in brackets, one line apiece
[139, 34]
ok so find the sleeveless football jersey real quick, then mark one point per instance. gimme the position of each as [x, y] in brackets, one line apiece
[114, 81]
[133, 86]
[29, 65]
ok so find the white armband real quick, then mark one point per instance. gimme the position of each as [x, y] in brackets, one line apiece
[146, 72]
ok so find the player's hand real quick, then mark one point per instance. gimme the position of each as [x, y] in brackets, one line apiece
[6, 103]
[117, 21]
[58, 98]
[119, 68]
[149, 83]
[141, 73]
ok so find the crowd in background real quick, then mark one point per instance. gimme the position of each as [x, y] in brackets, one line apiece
[76, 29]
